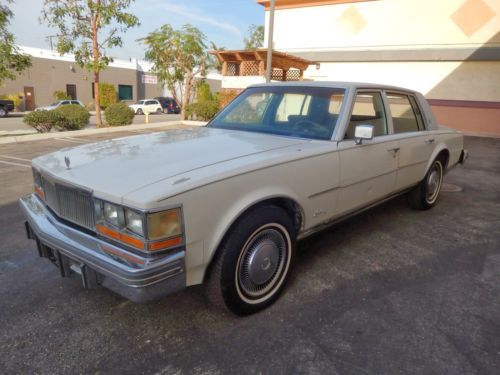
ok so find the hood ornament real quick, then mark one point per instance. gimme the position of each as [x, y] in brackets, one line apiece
[67, 162]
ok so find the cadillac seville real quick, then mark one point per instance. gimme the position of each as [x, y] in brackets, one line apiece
[224, 204]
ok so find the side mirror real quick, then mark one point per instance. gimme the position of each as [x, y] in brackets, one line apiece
[363, 132]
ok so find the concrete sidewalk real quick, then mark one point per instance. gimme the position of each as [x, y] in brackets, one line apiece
[23, 137]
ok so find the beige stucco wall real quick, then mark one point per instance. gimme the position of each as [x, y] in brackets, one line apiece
[48, 75]
[388, 24]
[451, 80]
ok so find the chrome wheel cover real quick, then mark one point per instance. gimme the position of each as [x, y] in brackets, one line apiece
[433, 182]
[263, 263]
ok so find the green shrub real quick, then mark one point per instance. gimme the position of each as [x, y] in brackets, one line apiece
[61, 95]
[202, 110]
[118, 114]
[203, 93]
[75, 117]
[107, 94]
[43, 121]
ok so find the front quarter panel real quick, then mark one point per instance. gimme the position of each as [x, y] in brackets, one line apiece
[210, 210]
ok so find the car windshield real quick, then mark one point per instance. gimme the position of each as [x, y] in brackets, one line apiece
[140, 102]
[297, 111]
[54, 104]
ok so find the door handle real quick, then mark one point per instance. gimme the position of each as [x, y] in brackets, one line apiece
[430, 140]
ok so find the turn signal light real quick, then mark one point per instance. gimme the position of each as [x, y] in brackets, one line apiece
[39, 192]
[138, 243]
[125, 238]
[162, 245]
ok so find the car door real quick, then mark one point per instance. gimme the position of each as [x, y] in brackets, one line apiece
[415, 142]
[151, 106]
[367, 170]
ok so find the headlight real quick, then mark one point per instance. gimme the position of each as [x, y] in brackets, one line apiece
[164, 224]
[113, 214]
[37, 181]
[134, 222]
[144, 231]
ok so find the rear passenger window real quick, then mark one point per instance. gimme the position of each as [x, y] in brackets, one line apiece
[406, 116]
[368, 109]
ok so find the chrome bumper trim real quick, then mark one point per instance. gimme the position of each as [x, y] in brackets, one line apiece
[136, 277]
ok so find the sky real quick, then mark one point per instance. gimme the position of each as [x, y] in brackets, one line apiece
[225, 22]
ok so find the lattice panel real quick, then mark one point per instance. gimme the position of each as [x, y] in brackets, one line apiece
[249, 68]
[293, 75]
[232, 69]
[277, 75]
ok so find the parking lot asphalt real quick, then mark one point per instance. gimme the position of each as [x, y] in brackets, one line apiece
[390, 291]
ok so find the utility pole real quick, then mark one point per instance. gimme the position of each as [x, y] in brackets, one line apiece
[269, 60]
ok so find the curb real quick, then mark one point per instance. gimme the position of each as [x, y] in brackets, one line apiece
[76, 133]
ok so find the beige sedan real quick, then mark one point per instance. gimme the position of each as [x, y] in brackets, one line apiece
[224, 205]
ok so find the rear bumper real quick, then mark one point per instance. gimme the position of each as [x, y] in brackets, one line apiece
[136, 277]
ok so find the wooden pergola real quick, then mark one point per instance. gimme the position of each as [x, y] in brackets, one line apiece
[285, 67]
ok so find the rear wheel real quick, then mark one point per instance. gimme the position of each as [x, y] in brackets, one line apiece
[425, 194]
[254, 261]
[159, 111]
[139, 112]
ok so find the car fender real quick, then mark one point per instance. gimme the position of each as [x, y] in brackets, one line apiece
[439, 147]
[238, 209]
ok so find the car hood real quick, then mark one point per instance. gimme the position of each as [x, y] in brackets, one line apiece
[113, 168]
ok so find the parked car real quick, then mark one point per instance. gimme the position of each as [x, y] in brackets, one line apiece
[6, 106]
[169, 105]
[58, 104]
[146, 105]
[225, 204]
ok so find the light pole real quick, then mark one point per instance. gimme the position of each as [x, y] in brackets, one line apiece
[270, 42]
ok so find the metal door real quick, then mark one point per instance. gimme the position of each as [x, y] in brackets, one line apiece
[71, 91]
[29, 98]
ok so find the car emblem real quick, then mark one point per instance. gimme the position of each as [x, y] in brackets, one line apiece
[67, 161]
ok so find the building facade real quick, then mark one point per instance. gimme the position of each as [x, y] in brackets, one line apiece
[448, 49]
[52, 72]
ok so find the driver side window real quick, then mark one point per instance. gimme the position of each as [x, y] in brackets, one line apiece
[368, 109]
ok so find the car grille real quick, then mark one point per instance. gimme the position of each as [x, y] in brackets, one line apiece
[70, 203]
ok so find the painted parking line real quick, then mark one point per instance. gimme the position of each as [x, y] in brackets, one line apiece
[16, 164]
[14, 158]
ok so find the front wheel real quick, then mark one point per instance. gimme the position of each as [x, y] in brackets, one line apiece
[253, 262]
[139, 112]
[425, 194]
[3, 112]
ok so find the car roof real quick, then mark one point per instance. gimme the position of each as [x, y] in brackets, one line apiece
[333, 84]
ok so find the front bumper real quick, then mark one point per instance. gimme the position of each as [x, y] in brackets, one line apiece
[136, 277]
